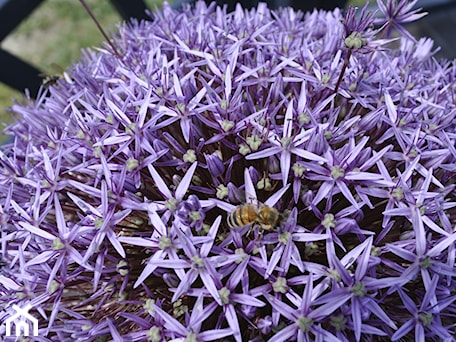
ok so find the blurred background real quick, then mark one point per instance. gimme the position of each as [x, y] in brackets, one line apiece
[56, 31]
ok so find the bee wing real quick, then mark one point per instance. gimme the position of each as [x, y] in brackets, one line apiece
[57, 68]
[55, 72]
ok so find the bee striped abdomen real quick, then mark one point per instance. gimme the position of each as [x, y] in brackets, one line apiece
[242, 216]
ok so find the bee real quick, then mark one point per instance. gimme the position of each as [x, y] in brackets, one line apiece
[52, 78]
[246, 214]
[49, 80]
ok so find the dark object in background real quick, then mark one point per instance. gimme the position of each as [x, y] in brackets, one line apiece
[309, 5]
[15, 72]
[19, 74]
[303, 5]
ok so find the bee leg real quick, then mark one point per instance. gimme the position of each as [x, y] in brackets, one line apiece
[259, 236]
[250, 230]
[252, 227]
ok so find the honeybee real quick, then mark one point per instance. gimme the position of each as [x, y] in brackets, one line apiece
[246, 214]
[49, 80]
[52, 78]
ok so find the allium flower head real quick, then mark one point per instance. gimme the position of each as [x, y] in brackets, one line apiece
[115, 192]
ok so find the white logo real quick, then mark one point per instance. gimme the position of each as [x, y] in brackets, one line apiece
[22, 320]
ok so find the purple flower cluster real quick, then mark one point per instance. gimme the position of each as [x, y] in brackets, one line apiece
[115, 192]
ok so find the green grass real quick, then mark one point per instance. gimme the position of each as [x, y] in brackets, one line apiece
[360, 3]
[54, 34]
